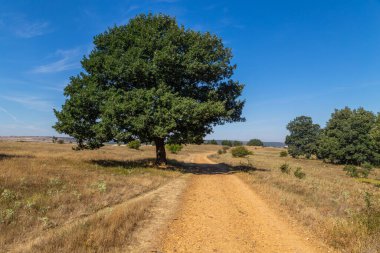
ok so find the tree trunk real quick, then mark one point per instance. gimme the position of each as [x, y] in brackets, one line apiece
[160, 151]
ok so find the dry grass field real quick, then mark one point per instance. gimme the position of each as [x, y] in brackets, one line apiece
[341, 210]
[55, 199]
[45, 187]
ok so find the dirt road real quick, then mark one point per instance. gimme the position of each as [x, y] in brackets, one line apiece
[219, 213]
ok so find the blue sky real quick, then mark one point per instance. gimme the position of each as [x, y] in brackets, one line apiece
[296, 57]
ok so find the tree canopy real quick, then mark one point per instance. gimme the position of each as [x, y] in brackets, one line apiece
[303, 137]
[151, 80]
[255, 142]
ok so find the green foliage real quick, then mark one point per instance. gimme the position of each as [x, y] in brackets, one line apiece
[213, 142]
[299, 173]
[227, 143]
[54, 139]
[135, 144]
[283, 153]
[349, 138]
[255, 142]
[303, 137]
[153, 80]
[237, 143]
[354, 171]
[240, 152]
[285, 168]
[225, 148]
[174, 148]
[369, 217]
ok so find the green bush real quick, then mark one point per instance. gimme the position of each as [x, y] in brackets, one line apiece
[299, 173]
[240, 152]
[255, 142]
[60, 141]
[285, 168]
[212, 142]
[353, 171]
[221, 151]
[174, 148]
[367, 166]
[284, 153]
[227, 143]
[135, 144]
[237, 143]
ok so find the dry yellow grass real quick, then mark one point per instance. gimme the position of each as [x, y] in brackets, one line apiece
[327, 202]
[44, 187]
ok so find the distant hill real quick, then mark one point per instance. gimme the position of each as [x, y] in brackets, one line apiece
[274, 144]
[266, 143]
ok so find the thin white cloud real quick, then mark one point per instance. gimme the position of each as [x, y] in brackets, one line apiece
[30, 102]
[23, 27]
[2, 109]
[68, 60]
[32, 29]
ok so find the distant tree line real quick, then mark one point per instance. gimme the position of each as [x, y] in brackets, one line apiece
[351, 136]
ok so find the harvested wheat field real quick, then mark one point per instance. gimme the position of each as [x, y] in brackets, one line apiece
[114, 200]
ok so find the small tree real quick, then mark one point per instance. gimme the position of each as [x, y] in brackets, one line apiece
[240, 152]
[255, 142]
[347, 137]
[213, 142]
[135, 144]
[153, 80]
[303, 137]
[174, 148]
[227, 143]
[237, 143]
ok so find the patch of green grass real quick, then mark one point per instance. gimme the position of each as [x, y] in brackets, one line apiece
[375, 182]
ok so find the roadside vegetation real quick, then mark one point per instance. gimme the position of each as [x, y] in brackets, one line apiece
[46, 187]
[341, 210]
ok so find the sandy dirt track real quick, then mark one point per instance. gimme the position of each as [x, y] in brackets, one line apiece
[220, 213]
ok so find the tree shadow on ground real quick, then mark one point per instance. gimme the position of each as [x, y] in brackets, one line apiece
[10, 156]
[218, 168]
[125, 164]
[175, 165]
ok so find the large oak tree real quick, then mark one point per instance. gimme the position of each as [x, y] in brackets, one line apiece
[151, 80]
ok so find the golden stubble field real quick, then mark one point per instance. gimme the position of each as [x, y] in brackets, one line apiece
[327, 202]
[55, 199]
[45, 187]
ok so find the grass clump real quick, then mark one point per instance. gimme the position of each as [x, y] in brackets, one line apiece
[284, 153]
[354, 171]
[240, 152]
[285, 168]
[135, 144]
[174, 148]
[299, 173]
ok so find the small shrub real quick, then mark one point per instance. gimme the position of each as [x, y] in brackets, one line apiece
[240, 152]
[8, 195]
[299, 173]
[284, 153]
[367, 166]
[285, 168]
[227, 143]
[102, 186]
[220, 151]
[135, 144]
[353, 171]
[213, 142]
[174, 148]
[60, 141]
[237, 143]
[225, 148]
